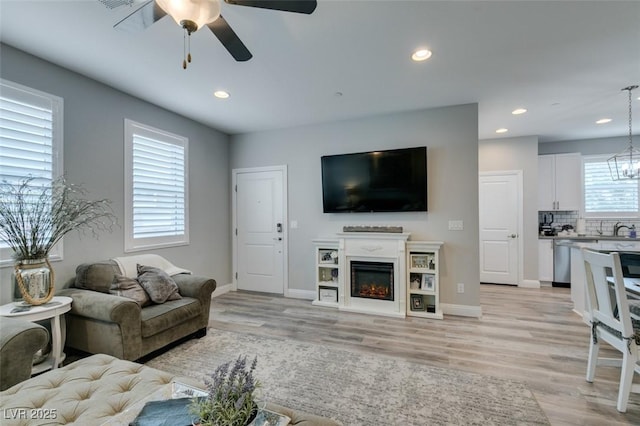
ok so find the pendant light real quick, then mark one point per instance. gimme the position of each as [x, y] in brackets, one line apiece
[626, 164]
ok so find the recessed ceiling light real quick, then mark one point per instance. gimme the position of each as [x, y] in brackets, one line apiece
[502, 130]
[421, 55]
[519, 111]
[603, 121]
[221, 94]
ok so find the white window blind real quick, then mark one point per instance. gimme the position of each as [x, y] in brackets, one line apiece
[605, 197]
[30, 140]
[157, 167]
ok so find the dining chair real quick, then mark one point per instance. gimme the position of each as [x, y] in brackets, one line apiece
[611, 320]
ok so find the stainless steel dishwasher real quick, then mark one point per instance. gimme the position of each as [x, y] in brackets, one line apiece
[562, 263]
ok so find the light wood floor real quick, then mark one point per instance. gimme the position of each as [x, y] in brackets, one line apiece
[527, 335]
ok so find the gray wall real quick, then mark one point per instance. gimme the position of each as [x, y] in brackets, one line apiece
[518, 154]
[451, 137]
[94, 156]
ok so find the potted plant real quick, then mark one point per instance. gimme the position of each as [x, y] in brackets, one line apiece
[34, 217]
[231, 399]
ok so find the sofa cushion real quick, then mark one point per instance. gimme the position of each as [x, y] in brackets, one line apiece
[97, 276]
[130, 288]
[158, 318]
[158, 284]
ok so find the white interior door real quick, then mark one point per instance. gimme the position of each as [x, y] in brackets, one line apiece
[260, 229]
[500, 200]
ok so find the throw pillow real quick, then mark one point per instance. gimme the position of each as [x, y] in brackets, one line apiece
[130, 288]
[158, 284]
[96, 276]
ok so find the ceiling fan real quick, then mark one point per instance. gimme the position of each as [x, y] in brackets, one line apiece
[194, 14]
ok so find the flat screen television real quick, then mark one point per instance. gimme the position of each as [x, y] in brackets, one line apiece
[378, 181]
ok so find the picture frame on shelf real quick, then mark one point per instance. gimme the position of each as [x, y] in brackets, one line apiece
[328, 294]
[415, 281]
[419, 261]
[417, 303]
[428, 282]
[328, 256]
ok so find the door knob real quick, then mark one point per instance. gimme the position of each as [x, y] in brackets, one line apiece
[277, 239]
[512, 236]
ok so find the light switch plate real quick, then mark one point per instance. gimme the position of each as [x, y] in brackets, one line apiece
[456, 225]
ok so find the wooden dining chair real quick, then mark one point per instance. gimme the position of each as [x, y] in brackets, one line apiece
[611, 320]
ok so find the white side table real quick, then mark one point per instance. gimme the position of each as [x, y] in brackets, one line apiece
[54, 311]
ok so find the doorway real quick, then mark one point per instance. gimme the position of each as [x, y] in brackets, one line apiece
[259, 229]
[501, 222]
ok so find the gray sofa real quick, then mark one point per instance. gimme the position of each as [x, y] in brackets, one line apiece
[100, 322]
[19, 341]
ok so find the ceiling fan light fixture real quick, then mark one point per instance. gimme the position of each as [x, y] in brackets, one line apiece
[191, 13]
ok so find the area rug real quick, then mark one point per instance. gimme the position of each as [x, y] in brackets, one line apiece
[356, 388]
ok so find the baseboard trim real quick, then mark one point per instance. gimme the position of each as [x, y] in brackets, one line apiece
[219, 291]
[294, 293]
[529, 284]
[461, 310]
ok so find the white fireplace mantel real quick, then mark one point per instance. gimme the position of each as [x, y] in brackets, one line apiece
[373, 247]
[333, 273]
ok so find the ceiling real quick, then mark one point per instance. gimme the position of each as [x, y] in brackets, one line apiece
[564, 61]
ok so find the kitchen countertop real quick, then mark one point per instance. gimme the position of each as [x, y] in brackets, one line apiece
[587, 237]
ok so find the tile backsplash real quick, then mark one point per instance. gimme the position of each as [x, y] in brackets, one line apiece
[592, 225]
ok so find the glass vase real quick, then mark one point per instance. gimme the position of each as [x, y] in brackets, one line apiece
[33, 280]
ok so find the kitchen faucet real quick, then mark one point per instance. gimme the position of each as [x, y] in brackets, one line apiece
[617, 227]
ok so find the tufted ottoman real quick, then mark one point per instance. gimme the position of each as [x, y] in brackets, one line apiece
[97, 390]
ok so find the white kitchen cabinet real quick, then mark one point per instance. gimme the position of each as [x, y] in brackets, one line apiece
[545, 260]
[560, 182]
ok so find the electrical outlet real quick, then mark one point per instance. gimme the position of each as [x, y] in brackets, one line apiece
[456, 225]
[460, 287]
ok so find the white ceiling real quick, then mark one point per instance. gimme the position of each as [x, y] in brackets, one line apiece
[565, 61]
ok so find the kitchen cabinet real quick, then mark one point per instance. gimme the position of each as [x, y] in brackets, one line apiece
[560, 182]
[545, 260]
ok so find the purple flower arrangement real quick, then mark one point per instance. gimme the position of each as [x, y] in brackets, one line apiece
[231, 400]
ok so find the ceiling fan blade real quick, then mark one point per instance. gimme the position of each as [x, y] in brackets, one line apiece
[229, 39]
[142, 18]
[297, 6]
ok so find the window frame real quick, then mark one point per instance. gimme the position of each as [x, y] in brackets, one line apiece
[602, 158]
[27, 94]
[132, 244]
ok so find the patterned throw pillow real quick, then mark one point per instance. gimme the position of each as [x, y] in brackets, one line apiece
[96, 276]
[129, 287]
[158, 284]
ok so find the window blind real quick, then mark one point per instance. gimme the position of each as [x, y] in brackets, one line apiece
[158, 188]
[604, 195]
[30, 142]
[26, 136]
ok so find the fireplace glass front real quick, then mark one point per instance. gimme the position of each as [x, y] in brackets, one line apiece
[372, 280]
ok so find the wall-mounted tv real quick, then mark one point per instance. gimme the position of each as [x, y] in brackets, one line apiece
[378, 181]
